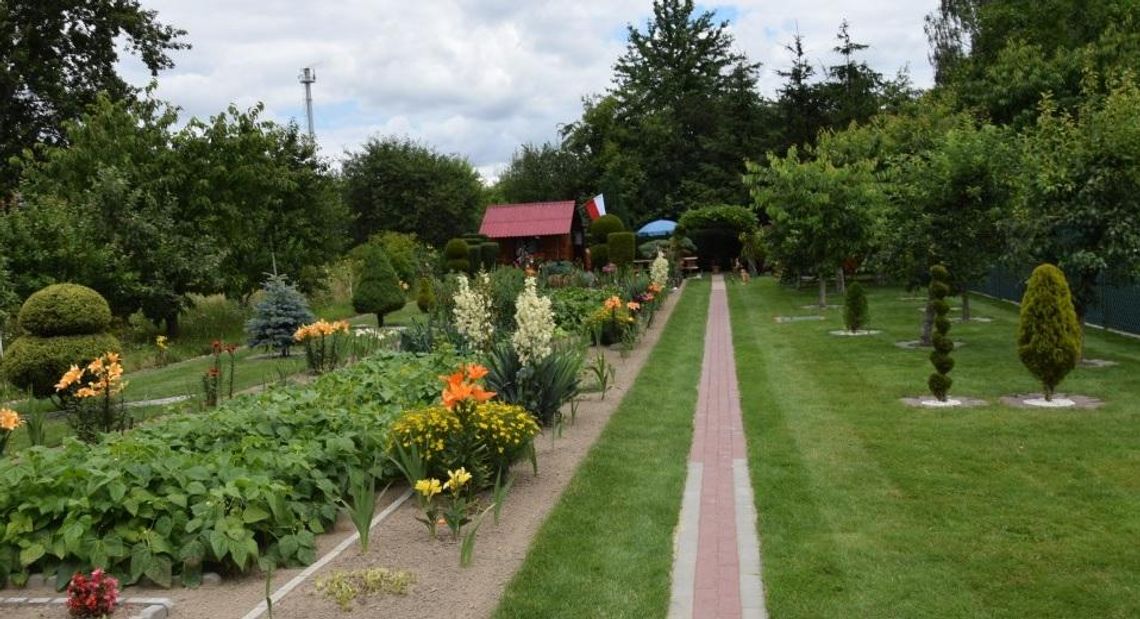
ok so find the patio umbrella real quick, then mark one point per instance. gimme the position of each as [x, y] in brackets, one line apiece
[660, 227]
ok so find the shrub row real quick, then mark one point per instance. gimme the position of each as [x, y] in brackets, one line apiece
[254, 479]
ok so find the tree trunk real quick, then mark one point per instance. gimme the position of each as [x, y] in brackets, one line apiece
[965, 305]
[927, 326]
[840, 281]
[379, 320]
[822, 291]
[172, 326]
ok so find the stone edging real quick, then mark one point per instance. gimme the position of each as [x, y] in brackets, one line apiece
[153, 608]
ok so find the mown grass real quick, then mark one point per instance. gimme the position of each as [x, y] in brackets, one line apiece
[869, 508]
[606, 548]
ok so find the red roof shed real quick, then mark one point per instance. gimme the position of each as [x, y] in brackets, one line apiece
[545, 230]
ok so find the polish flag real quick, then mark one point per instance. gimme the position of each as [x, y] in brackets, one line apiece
[596, 207]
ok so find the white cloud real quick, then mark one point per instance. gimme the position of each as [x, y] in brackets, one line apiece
[472, 77]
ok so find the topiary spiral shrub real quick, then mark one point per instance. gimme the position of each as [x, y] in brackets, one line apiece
[856, 314]
[457, 256]
[425, 295]
[940, 381]
[1048, 332]
[602, 227]
[65, 325]
[622, 248]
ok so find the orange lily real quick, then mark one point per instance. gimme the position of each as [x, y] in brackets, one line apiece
[476, 371]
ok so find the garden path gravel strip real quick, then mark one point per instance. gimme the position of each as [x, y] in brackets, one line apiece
[721, 577]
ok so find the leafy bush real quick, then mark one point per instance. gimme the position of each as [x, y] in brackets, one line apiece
[573, 306]
[506, 284]
[65, 309]
[425, 295]
[622, 247]
[602, 227]
[541, 387]
[599, 256]
[281, 311]
[485, 440]
[939, 382]
[610, 323]
[855, 310]
[379, 290]
[1048, 332]
[37, 363]
[401, 249]
[259, 476]
[488, 255]
[457, 256]
[715, 230]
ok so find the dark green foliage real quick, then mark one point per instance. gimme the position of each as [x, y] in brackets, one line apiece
[541, 389]
[715, 246]
[277, 316]
[37, 363]
[457, 256]
[542, 174]
[149, 499]
[599, 255]
[379, 289]
[940, 381]
[1048, 333]
[602, 227]
[506, 284]
[727, 216]
[425, 295]
[856, 313]
[622, 248]
[65, 309]
[488, 255]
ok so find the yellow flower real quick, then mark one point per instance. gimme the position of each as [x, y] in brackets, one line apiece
[428, 487]
[10, 420]
[457, 478]
[160, 342]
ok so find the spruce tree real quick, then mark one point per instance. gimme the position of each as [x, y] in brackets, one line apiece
[940, 381]
[855, 310]
[379, 289]
[278, 315]
[1048, 332]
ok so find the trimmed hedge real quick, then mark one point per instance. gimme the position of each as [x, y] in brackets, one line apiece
[37, 363]
[65, 309]
[489, 255]
[622, 247]
[602, 227]
[457, 256]
[599, 256]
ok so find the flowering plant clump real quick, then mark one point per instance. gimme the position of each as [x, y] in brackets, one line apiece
[96, 595]
[467, 430]
[659, 272]
[323, 346]
[161, 344]
[89, 396]
[9, 421]
[458, 509]
[610, 322]
[473, 312]
[534, 318]
[212, 379]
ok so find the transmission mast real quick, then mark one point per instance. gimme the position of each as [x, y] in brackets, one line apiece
[307, 77]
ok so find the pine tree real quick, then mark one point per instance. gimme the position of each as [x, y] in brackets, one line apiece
[1048, 333]
[940, 381]
[278, 315]
[379, 289]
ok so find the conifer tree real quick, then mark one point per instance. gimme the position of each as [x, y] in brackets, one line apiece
[278, 315]
[940, 380]
[855, 310]
[379, 289]
[1048, 333]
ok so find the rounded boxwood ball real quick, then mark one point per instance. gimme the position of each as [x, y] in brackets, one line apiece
[37, 363]
[65, 309]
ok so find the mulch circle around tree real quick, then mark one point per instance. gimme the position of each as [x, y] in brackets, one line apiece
[916, 344]
[976, 319]
[786, 319]
[1060, 400]
[951, 402]
[846, 333]
[1097, 363]
[816, 306]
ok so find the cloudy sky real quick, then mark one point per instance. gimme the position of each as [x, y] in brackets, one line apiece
[472, 77]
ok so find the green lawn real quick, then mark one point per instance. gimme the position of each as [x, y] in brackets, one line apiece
[869, 508]
[606, 548]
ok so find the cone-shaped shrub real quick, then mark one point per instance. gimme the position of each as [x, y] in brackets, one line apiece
[622, 248]
[939, 382]
[425, 295]
[856, 314]
[602, 227]
[379, 289]
[457, 256]
[278, 315]
[1048, 333]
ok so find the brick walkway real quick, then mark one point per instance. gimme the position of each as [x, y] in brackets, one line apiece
[716, 566]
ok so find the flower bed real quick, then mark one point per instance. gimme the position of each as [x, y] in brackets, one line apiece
[256, 478]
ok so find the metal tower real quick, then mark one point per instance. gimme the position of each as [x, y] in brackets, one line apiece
[307, 77]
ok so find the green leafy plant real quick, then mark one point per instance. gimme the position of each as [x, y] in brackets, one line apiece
[1048, 332]
[467, 547]
[500, 491]
[603, 372]
[362, 490]
[939, 382]
[541, 387]
[855, 310]
[343, 587]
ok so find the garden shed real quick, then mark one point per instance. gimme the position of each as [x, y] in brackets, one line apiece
[542, 230]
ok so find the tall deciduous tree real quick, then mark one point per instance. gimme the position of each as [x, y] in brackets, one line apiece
[396, 184]
[544, 173]
[57, 55]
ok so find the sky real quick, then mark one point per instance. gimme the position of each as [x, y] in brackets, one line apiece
[476, 78]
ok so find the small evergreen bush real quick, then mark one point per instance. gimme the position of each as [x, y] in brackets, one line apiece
[379, 289]
[489, 255]
[602, 227]
[65, 309]
[599, 256]
[281, 311]
[1048, 332]
[856, 313]
[622, 248]
[457, 256]
[425, 295]
[939, 382]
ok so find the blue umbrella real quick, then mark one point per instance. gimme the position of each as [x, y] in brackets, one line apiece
[660, 227]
